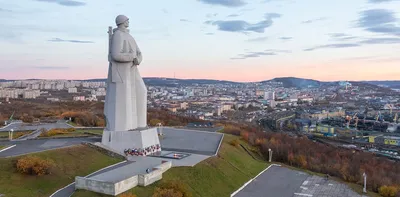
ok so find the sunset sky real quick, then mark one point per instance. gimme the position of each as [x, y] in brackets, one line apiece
[239, 40]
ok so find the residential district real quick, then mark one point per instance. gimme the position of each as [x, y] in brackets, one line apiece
[355, 115]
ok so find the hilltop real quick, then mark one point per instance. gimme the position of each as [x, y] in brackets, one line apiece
[390, 84]
[293, 82]
[216, 176]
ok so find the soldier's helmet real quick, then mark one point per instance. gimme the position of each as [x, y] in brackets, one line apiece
[121, 19]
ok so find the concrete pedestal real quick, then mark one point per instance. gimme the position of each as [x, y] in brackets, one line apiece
[140, 142]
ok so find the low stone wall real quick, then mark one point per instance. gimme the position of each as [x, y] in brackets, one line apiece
[164, 166]
[147, 179]
[115, 189]
[95, 185]
[126, 185]
[155, 174]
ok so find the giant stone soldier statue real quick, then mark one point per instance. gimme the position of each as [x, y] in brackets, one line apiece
[126, 100]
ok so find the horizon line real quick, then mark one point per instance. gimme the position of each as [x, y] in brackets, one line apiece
[197, 79]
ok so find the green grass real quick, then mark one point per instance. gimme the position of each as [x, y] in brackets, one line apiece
[70, 162]
[16, 134]
[217, 176]
[78, 133]
[98, 132]
[73, 124]
[1, 147]
[71, 135]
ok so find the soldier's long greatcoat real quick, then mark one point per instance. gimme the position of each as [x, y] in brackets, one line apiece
[126, 100]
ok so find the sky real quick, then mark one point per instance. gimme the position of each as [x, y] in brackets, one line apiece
[238, 40]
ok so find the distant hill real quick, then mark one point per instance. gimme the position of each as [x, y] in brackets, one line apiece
[174, 82]
[293, 82]
[171, 81]
[287, 82]
[390, 84]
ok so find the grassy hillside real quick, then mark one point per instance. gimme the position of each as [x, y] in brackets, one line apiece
[216, 176]
[70, 162]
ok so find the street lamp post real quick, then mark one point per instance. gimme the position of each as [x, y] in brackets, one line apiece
[160, 129]
[269, 155]
[11, 134]
[365, 183]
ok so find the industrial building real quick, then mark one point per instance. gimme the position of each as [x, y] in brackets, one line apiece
[387, 140]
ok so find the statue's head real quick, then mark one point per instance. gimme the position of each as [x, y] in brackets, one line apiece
[122, 20]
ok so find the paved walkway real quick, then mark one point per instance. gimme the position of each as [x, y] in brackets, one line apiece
[31, 146]
[283, 182]
[19, 126]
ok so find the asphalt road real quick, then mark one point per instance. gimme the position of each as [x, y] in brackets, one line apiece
[283, 182]
[31, 146]
[70, 189]
[19, 126]
[275, 182]
[32, 135]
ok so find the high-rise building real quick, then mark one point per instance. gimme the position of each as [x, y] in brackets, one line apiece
[270, 95]
[72, 90]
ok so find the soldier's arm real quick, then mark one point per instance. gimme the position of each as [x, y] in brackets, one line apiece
[120, 49]
[139, 56]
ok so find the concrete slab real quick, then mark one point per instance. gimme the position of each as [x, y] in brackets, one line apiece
[190, 141]
[137, 167]
[190, 161]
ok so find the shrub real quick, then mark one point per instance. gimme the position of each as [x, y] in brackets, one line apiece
[17, 135]
[176, 187]
[127, 195]
[33, 165]
[234, 142]
[53, 132]
[167, 193]
[388, 191]
[154, 122]
[71, 130]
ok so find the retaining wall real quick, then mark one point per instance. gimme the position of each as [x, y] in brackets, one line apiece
[95, 185]
[126, 185]
[114, 189]
[155, 174]
[147, 179]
